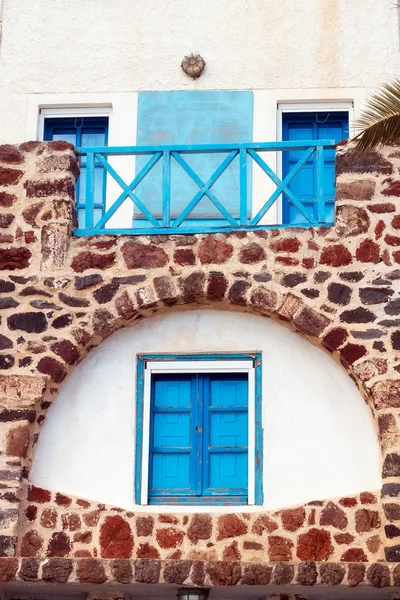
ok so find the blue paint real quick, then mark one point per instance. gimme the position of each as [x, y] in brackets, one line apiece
[83, 132]
[314, 185]
[206, 117]
[302, 150]
[198, 434]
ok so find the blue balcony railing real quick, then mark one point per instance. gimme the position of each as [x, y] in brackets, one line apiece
[189, 189]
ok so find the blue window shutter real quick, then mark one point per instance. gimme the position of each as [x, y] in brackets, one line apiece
[311, 126]
[225, 465]
[83, 132]
[171, 435]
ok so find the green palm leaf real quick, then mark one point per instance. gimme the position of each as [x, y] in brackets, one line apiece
[380, 121]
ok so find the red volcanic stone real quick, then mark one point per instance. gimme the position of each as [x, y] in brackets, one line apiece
[192, 287]
[280, 548]
[335, 256]
[355, 575]
[386, 394]
[32, 543]
[374, 542]
[283, 573]
[90, 260]
[14, 258]
[30, 213]
[264, 523]
[165, 290]
[8, 569]
[169, 537]
[252, 546]
[311, 322]
[184, 257]
[214, 251]
[59, 544]
[29, 569]
[395, 221]
[7, 200]
[368, 252]
[116, 539]
[67, 351]
[5, 221]
[38, 495]
[264, 298]
[308, 263]
[293, 519]
[122, 570]
[50, 366]
[90, 570]
[314, 545]
[224, 573]
[357, 161]
[198, 573]
[378, 575]
[351, 220]
[256, 574]
[46, 188]
[147, 571]
[48, 518]
[31, 512]
[331, 574]
[385, 207]
[288, 261]
[144, 526]
[251, 253]
[348, 502]
[62, 500]
[216, 286]
[335, 338]
[10, 154]
[344, 538]
[57, 570]
[393, 189]
[286, 245]
[231, 552]
[147, 551]
[333, 515]
[350, 353]
[356, 190]
[200, 528]
[367, 498]
[354, 555]
[177, 571]
[230, 526]
[84, 537]
[9, 176]
[392, 240]
[168, 519]
[125, 307]
[367, 520]
[71, 521]
[379, 229]
[143, 256]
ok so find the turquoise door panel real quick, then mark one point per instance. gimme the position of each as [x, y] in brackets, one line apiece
[187, 118]
[198, 436]
[311, 126]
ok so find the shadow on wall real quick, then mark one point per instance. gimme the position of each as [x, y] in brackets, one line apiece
[319, 435]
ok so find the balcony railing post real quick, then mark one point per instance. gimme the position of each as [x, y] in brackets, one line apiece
[166, 189]
[89, 200]
[320, 184]
[243, 186]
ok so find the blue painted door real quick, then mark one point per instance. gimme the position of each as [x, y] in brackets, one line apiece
[83, 132]
[199, 439]
[311, 126]
[188, 118]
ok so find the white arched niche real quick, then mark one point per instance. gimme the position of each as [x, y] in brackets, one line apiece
[319, 435]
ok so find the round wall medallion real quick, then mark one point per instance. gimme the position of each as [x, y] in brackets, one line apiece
[193, 65]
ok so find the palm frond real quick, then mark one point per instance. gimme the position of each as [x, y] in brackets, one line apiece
[379, 123]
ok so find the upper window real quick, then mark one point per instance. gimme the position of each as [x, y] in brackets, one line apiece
[82, 132]
[200, 431]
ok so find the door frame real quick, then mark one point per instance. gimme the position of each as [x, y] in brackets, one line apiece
[306, 107]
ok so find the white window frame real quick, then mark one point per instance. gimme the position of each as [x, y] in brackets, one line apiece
[69, 112]
[156, 367]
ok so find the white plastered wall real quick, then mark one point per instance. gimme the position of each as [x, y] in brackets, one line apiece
[319, 435]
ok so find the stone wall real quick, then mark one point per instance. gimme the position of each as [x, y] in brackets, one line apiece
[60, 296]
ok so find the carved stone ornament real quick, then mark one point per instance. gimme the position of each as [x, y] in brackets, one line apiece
[193, 65]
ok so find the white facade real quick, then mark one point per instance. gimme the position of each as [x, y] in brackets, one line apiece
[97, 53]
[319, 436]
